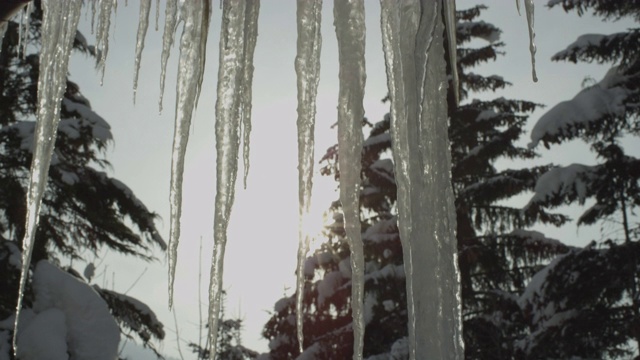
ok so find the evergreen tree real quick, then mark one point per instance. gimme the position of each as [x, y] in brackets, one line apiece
[83, 207]
[229, 346]
[496, 256]
[586, 304]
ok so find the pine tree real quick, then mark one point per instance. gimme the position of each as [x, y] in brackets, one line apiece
[496, 256]
[83, 207]
[586, 304]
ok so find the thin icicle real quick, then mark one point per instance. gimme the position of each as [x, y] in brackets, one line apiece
[529, 9]
[102, 34]
[143, 25]
[349, 20]
[416, 70]
[24, 28]
[59, 26]
[195, 16]
[450, 27]
[307, 64]
[518, 7]
[251, 35]
[170, 24]
[93, 14]
[157, 13]
[228, 123]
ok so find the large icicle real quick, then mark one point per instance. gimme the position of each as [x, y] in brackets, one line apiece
[143, 25]
[529, 9]
[170, 25]
[416, 72]
[195, 16]
[307, 64]
[349, 19]
[238, 29]
[59, 26]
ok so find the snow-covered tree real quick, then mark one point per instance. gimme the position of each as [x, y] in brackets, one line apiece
[496, 257]
[84, 210]
[586, 304]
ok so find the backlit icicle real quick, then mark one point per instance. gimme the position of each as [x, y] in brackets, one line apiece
[170, 24]
[235, 33]
[195, 16]
[102, 33]
[59, 25]
[529, 9]
[24, 28]
[349, 20]
[450, 28]
[143, 25]
[416, 71]
[251, 35]
[307, 65]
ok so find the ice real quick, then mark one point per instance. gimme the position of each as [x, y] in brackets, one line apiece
[170, 25]
[349, 20]
[251, 35]
[307, 65]
[143, 25]
[195, 16]
[529, 10]
[236, 49]
[59, 26]
[450, 27]
[413, 40]
[102, 33]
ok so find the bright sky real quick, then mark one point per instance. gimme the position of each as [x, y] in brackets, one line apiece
[261, 253]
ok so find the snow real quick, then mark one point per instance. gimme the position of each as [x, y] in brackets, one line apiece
[588, 106]
[583, 42]
[370, 301]
[328, 285]
[90, 332]
[44, 337]
[570, 181]
[307, 66]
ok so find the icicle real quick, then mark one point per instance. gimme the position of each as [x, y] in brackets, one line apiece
[450, 27]
[24, 28]
[307, 64]
[157, 13]
[518, 7]
[251, 35]
[239, 18]
[195, 15]
[4, 24]
[143, 24]
[102, 33]
[93, 15]
[529, 9]
[170, 24]
[416, 71]
[59, 26]
[350, 30]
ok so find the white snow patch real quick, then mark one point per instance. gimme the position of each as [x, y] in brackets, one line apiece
[370, 300]
[92, 333]
[568, 180]
[589, 105]
[44, 337]
[328, 285]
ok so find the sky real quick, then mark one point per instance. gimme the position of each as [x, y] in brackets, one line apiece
[261, 253]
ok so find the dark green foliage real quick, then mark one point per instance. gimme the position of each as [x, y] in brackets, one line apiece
[586, 304]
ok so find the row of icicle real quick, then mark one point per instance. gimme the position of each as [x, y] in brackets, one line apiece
[413, 46]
